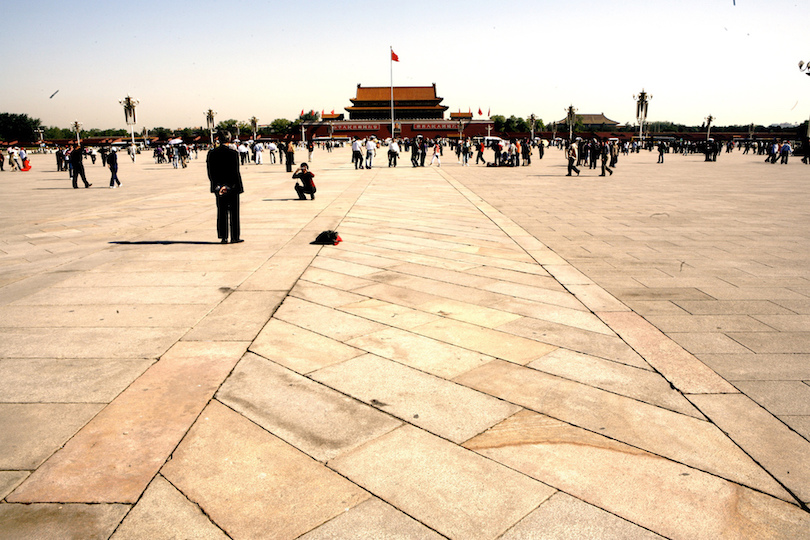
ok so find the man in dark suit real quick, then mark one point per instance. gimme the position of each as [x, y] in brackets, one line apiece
[226, 184]
[76, 157]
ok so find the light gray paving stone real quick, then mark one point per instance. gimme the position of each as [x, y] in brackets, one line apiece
[163, 512]
[420, 352]
[34, 431]
[372, 519]
[440, 484]
[299, 349]
[86, 521]
[621, 379]
[10, 480]
[564, 517]
[779, 450]
[239, 317]
[114, 316]
[781, 398]
[68, 380]
[325, 321]
[311, 417]
[436, 405]
[137, 342]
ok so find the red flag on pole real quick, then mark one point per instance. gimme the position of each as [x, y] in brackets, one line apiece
[333, 111]
[469, 110]
[321, 113]
[394, 56]
[302, 112]
[479, 112]
[488, 112]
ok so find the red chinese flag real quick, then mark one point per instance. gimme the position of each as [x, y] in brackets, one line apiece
[302, 112]
[479, 112]
[333, 111]
[394, 56]
[488, 112]
[321, 113]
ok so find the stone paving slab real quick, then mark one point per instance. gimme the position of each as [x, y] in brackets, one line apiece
[428, 285]
[255, 485]
[117, 454]
[87, 521]
[441, 484]
[311, 417]
[163, 512]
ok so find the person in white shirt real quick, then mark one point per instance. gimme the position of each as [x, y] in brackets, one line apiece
[371, 151]
[393, 153]
[357, 157]
[436, 153]
[271, 150]
[258, 148]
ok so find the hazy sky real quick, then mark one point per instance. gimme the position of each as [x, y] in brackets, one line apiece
[271, 59]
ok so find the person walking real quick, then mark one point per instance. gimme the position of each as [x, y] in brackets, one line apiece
[290, 155]
[357, 156]
[112, 163]
[436, 154]
[77, 166]
[415, 146]
[785, 151]
[393, 153]
[605, 152]
[226, 184]
[662, 148]
[571, 154]
[371, 151]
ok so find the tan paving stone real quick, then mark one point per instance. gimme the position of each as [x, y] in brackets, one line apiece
[419, 352]
[336, 280]
[115, 316]
[325, 321]
[136, 342]
[779, 450]
[389, 314]
[614, 377]
[35, 521]
[686, 372]
[298, 349]
[43, 380]
[10, 480]
[562, 335]
[395, 295]
[117, 454]
[774, 342]
[32, 432]
[595, 298]
[554, 314]
[564, 517]
[163, 512]
[486, 341]
[679, 437]
[309, 416]
[527, 292]
[471, 313]
[255, 485]
[124, 295]
[436, 405]
[781, 398]
[323, 295]
[372, 519]
[799, 424]
[441, 485]
[707, 343]
[279, 273]
[666, 497]
[239, 317]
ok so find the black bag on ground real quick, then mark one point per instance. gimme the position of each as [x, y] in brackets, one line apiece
[328, 238]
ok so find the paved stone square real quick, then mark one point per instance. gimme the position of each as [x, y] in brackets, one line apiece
[489, 353]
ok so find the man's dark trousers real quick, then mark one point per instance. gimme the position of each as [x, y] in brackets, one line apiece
[228, 210]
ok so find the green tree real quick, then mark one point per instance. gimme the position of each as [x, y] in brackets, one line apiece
[228, 125]
[498, 122]
[162, 133]
[280, 126]
[18, 127]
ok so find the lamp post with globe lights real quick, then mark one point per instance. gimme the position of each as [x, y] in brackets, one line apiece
[642, 102]
[129, 103]
[209, 121]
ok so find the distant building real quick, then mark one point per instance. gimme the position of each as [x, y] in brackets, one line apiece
[410, 103]
[592, 122]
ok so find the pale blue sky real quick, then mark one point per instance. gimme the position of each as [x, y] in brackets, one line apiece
[273, 58]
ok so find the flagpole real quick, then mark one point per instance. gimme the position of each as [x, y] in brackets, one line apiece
[391, 62]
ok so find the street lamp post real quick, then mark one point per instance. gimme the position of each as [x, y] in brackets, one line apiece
[709, 126]
[642, 101]
[129, 104]
[533, 120]
[77, 127]
[572, 118]
[209, 121]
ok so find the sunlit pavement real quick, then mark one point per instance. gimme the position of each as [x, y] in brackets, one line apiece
[489, 353]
